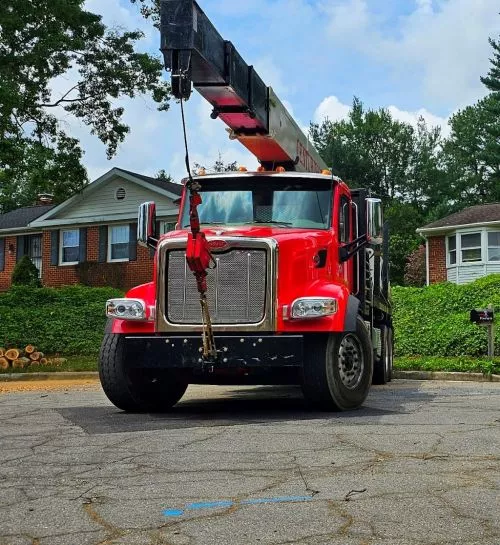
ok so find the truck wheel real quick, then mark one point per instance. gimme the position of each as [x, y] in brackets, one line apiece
[338, 369]
[135, 390]
[382, 369]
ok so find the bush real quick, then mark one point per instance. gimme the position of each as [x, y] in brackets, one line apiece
[25, 273]
[415, 270]
[68, 320]
[434, 320]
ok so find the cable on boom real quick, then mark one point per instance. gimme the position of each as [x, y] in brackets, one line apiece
[198, 254]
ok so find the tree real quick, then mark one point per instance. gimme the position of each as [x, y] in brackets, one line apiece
[25, 273]
[47, 43]
[491, 152]
[163, 175]
[473, 171]
[415, 270]
[218, 166]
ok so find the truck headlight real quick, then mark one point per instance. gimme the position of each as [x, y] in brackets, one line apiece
[126, 309]
[313, 307]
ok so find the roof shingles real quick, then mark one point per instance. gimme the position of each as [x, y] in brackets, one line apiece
[22, 216]
[481, 213]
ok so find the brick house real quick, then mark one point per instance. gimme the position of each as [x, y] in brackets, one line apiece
[91, 237]
[463, 246]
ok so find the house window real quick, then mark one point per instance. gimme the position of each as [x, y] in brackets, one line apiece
[119, 236]
[452, 250]
[471, 247]
[494, 246]
[70, 247]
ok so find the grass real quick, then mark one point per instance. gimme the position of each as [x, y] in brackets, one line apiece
[463, 364]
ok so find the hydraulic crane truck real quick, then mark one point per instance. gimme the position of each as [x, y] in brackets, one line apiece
[278, 276]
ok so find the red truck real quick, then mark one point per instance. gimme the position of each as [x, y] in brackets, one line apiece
[278, 276]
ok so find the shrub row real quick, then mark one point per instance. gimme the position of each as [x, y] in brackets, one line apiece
[434, 320]
[68, 320]
[430, 321]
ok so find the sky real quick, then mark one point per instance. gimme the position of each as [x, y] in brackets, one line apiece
[414, 57]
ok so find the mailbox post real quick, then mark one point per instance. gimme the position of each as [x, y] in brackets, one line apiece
[486, 317]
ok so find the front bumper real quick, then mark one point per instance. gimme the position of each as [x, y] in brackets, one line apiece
[238, 351]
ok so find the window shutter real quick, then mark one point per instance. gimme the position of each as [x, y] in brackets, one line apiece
[20, 251]
[82, 256]
[132, 242]
[2, 254]
[54, 247]
[103, 243]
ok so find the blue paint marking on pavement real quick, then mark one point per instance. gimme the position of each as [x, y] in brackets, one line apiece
[210, 504]
[279, 499]
[224, 504]
[173, 512]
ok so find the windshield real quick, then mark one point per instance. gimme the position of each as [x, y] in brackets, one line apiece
[282, 202]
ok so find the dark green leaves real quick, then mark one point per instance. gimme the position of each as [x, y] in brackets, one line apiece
[56, 57]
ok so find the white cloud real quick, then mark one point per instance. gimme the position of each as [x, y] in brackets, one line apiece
[444, 44]
[413, 118]
[331, 108]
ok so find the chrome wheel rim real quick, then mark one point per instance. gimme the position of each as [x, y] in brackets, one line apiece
[350, 362]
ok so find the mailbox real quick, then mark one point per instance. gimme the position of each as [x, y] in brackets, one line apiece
[482, 316]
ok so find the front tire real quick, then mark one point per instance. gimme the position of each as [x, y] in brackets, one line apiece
[136, 390]
[338, 369]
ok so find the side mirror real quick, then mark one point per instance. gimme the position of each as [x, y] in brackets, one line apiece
[146, 225]
[374, 225]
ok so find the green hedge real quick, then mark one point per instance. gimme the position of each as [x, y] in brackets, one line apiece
[434, 320]
[430, 321]
[68, 320]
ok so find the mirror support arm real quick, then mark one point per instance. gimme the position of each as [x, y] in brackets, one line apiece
[351, 248]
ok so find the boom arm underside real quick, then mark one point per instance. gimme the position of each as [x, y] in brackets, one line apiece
[197, 55]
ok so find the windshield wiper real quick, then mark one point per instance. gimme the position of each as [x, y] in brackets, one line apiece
[280, 223]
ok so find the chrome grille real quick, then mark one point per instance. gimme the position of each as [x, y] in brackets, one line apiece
[236, 288]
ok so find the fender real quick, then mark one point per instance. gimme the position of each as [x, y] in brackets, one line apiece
[351, 313]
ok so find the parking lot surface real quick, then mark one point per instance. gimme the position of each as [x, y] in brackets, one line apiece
[419, 464]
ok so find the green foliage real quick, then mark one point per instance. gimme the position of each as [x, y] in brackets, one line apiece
[67, 321]
[458, 365]
[25, 273]
[46, 45]
[434, 320]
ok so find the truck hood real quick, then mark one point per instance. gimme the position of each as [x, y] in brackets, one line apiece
[299, 250]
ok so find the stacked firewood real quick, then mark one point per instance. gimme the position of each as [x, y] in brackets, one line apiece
[28, 356]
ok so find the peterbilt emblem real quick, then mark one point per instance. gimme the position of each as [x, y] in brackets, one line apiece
[218, 245]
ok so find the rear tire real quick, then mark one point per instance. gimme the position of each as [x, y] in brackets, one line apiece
[338, 369]
[136, 390]
[382, 371]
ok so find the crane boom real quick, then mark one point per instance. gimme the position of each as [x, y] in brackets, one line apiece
[196, 55]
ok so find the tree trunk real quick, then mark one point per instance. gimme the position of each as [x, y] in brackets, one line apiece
[4, 363]
[30, 349]
[21, 362]
[12, 354]
[36, 356]
[2, 352]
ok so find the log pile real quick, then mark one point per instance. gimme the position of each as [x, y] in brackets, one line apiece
[17, 358]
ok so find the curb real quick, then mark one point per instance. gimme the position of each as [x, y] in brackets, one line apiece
[56, 375]
[407, 375]
[442, 375]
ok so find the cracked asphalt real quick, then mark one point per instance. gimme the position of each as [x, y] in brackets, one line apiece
[419, 464]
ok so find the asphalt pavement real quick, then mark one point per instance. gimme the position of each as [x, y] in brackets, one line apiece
[419, 464]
